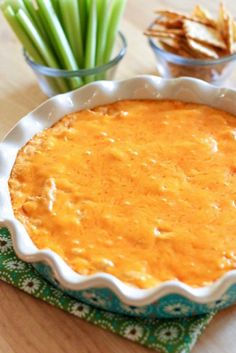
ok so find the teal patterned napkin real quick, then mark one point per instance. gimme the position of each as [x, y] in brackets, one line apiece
[165, 336]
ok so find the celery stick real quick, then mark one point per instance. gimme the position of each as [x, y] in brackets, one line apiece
[60, 41]
[90, 51]
[38, 41]
[53, 48]
[36, 38]
[71, 24]
[113, 26]
[83, 13]
[50, 37]
[56, 6]
[29, 9]
[99, 6]
[103, 16]
[27, 44]
[22, 36]
[15, 5]
[34, 15]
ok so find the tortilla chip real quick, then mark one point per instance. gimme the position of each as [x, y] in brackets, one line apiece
[222, 16]
[204, 34]
[203, 50]
[204, 15]
[182, 48]
[185, 51]
[177, 31]
[159, 27]
[234, 26]
[173, 43]
[179, 16]
[165, 46]
[171, 14]
[229, 28]
[199, 35]
[177, 51]
[160, 34]
[167, 23]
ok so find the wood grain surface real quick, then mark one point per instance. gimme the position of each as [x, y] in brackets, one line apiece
[26, 324]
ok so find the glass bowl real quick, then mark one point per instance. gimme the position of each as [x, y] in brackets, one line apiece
[54, 81]
[170, 65]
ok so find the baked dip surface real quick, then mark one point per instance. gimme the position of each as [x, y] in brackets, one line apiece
[144, 190]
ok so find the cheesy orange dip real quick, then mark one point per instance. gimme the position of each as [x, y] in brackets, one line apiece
[144, 190]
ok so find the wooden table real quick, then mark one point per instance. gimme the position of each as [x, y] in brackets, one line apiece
[26, 324]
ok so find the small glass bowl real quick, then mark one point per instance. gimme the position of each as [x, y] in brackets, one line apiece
[54, 81]
[215, 71]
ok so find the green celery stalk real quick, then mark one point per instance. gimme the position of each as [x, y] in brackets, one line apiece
[35, 17]
[56, 6]
[27, 43]
[90, 52]
[69, 34]
[88, 4]
[52, 45]
[83, 14]
[99, 6]
[103, 16]
[71, 24]
[50, 37]
[113, 26]
[38, 41]
[36, 38]
[50, 40]
[15, 5]
[60, 41]
[22, 36]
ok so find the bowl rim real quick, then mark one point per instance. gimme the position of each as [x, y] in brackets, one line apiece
[53, 72]
[91, 95]
[181, 60]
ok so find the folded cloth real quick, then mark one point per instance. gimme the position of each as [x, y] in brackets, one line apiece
[165, 336]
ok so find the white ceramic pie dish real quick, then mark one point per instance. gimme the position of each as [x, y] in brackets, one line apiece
[101, 289]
